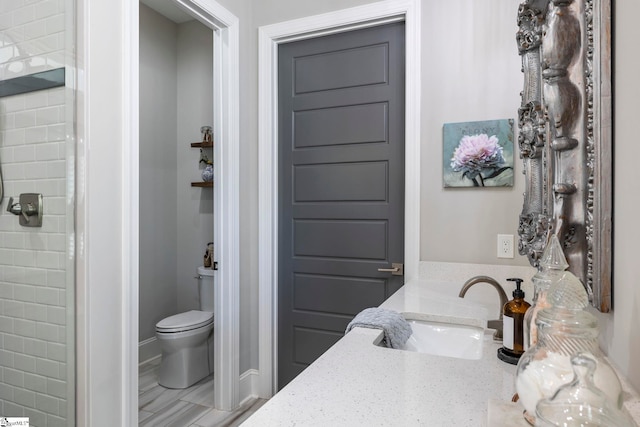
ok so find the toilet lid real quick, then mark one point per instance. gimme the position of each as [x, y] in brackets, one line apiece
[185, 321]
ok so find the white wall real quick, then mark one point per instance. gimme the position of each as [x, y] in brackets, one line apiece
[470, 72]
[620, 330]
[158, 170]
[176, 220]
[486, 84]
[487, 81]
[107, 127]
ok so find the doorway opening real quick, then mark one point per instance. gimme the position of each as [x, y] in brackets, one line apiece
[212, 99]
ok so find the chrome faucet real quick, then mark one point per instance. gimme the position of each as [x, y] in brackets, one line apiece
[491, 324]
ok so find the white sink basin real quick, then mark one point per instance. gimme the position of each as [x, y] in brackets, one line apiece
[445, 339]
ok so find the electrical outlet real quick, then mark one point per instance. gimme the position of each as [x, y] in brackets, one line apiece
[505, 246]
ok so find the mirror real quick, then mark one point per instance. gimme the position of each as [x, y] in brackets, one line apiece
[565, 138]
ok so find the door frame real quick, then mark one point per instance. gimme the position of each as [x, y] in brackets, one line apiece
[226, 116]
[226, 229]
[107, 211]
[270, 37]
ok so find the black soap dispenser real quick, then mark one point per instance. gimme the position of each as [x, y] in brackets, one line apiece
[513, 326]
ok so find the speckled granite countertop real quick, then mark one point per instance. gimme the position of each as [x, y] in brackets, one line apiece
[357, 383]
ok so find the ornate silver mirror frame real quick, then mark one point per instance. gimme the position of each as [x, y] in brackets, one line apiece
[565, 136]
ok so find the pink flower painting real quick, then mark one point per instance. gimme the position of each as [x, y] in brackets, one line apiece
[478, 158]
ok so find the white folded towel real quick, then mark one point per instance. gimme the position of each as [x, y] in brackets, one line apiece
[396, 329]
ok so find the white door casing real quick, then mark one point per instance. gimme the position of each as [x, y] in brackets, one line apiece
[269, 38]
[226, 111]
[107, 208]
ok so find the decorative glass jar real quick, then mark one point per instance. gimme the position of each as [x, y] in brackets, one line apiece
[207, 134]
[207, 173]
[552, 265]
[564, 330]
[580, 402]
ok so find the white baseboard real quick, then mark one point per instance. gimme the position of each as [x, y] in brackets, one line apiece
[148, 349]
[249, 384]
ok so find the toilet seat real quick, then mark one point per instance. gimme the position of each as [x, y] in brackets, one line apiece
[183, 322]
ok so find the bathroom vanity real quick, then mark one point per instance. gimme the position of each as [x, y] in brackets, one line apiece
[359, 383]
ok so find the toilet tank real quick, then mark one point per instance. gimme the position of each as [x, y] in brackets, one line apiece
[205, 288]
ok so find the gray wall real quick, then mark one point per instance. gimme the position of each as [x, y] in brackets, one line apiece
[195, 109]
[158, 195]
[176, 64]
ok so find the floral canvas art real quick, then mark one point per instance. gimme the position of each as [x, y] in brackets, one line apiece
[478, 154]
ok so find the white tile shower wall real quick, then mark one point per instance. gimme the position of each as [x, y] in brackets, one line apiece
[33, 261]
[31, 36]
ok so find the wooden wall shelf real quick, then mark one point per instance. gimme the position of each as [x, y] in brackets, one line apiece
[202, 184]
[202, 144]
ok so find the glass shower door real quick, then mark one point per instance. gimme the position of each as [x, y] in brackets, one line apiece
[37, 334]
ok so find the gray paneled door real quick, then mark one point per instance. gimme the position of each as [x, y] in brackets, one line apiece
[341, 185]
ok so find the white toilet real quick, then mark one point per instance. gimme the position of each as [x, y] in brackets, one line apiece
[186, 340]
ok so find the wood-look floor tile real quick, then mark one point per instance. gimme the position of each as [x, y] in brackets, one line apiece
[201, 393]
[160, 407]
[175, 414]
[147, 377]
[143, 415]
[158, 397]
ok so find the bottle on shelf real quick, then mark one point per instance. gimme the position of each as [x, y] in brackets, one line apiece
[513, 325]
